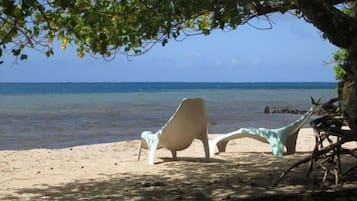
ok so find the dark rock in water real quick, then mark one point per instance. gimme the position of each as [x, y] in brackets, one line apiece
[266, 110]
[284, 110]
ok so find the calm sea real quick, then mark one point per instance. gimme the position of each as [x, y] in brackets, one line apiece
[57, 115]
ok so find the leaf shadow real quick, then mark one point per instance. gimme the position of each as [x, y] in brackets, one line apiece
[248, 178]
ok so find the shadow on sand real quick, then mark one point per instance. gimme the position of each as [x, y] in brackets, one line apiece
[192, 179]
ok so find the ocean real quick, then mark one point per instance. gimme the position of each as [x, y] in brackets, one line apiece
[59, 115]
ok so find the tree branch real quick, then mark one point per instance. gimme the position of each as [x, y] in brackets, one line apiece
[338, 27]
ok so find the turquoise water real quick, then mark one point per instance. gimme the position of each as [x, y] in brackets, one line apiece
[63, 115]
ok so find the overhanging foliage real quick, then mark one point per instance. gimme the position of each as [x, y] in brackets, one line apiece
[108, 27]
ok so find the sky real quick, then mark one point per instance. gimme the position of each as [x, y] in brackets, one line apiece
[292, 51]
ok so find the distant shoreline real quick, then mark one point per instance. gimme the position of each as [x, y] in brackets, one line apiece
[123, 87]
[139, 82]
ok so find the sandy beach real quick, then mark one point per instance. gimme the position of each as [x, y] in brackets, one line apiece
[112, 172]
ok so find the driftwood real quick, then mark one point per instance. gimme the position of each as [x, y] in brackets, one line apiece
[327, 157]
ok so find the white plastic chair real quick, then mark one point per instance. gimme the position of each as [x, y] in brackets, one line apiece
[276, 137]
[189, 122]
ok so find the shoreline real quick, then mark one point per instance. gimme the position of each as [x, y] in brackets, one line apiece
[111, 171]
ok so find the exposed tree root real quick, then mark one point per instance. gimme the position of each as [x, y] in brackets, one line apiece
[328, 158]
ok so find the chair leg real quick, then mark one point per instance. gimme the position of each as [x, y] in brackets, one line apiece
[140, 148]
[152, 143]
[206, 147]
[277, 149]
[174, 155]
[152, 152]
[222, 146]
[291, 143]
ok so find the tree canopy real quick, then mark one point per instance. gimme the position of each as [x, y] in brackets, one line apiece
[108, 27]
[132, 27]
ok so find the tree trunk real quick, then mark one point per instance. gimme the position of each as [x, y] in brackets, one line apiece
[348, 89]
[341, 30]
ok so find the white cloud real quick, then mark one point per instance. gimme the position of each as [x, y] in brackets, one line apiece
[256, 61]
[185, 64]
[190, 58]
[219, 62]
[234, 62]
[192, 54]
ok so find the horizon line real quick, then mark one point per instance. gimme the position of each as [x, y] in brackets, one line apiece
[173, 82]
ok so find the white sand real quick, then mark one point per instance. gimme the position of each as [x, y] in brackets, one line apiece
[111, 172]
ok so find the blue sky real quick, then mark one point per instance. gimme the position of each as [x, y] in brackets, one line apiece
[292, 50]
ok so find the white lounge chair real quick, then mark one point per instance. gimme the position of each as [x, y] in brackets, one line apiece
[189, 122]
[276, 137]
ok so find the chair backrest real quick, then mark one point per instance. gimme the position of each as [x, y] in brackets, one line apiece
[187, 123]
[296, 125]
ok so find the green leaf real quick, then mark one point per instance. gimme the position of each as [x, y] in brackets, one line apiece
[49, 52]
[23, 56]
[164, 42]
[340, 57]
[16, 52]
